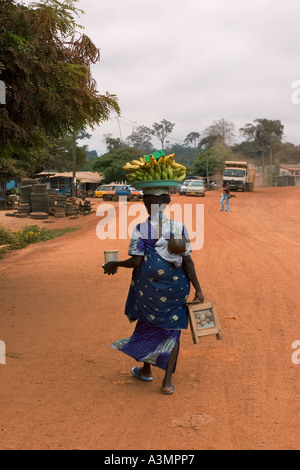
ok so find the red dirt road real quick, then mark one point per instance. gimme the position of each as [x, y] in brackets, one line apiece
[63, 387]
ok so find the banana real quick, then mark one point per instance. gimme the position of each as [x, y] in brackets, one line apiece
[140, 173]
[157, 170]
[157, 176]
[152, 161]
[129, 167]
[137, 162]
[151, 172]
[169, 158]
[163, 168]
[170, 173]
[175, 165]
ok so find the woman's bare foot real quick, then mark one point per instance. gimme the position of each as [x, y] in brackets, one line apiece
[167, 389]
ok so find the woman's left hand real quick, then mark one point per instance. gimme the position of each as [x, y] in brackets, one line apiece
[199, 297]
[110, 268]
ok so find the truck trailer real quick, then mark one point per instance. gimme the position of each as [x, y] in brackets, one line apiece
[240, 175]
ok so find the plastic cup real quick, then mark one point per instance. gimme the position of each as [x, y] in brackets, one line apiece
[111, 255]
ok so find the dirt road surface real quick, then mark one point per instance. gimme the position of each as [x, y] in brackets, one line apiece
[63, 387]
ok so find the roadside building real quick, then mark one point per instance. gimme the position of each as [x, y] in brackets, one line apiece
[87, 182]
[289, 175]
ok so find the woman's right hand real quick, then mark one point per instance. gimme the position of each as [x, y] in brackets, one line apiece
[110, 268]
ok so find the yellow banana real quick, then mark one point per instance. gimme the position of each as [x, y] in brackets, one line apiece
[169, 158]
[137, 162]
[130, 167]
[153, 161]
[175, 165]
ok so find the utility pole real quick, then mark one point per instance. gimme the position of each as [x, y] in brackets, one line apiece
[271, 165]
[74, 185]
[208, 157]
[120, 129]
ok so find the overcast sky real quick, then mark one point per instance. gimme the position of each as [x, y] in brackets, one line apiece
[195, 61]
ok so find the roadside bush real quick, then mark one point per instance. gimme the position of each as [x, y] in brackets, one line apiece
[29, 235]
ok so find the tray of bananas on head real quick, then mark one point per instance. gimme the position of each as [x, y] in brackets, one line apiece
[155, 171]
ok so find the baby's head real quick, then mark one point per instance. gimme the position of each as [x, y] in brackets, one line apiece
[177, 246]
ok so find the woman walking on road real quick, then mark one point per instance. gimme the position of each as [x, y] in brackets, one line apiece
[158, 293]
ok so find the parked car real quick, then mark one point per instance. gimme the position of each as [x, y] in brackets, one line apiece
[127, 190]
[103, 189]
[195, 188]
[182, 187]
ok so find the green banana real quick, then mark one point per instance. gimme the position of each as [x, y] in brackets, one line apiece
[158, 171]
[170, 173]
[151, 172]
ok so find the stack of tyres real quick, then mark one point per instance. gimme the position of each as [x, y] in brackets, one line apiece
[60, 207]
[52, 200]
[39, 215]
[24, 208]
[26, 194]
[71, 207]
[23, 211]
[39, 202]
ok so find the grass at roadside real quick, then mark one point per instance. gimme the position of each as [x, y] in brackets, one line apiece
[29, 235]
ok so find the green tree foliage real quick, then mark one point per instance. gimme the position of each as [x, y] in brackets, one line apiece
[184, 154]
[266, 135]
[209, 162]
[265, 132]
[56, 156]
[141, 139]
[192, 138]
[46, 66]
[161, 130]
[288, 153]
[110, 165]
[114, 144]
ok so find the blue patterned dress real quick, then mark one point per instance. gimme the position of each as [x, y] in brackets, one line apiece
[157, 296]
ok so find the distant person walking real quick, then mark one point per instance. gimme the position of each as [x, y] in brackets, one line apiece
[225, 197]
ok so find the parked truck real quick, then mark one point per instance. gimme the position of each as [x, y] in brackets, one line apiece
[240, 175]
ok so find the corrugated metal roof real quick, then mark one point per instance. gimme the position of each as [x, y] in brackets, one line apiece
[83, 176]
